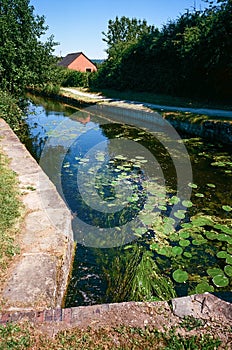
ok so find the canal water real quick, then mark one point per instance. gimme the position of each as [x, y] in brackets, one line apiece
[151, 207]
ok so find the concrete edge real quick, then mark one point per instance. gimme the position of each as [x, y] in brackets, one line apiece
[40, 274]
[201, 306]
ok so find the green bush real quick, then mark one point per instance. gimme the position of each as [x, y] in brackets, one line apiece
[50, 89]
[10, 110]
[75, 78]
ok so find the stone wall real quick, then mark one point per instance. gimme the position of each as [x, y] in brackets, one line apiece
[39, 275]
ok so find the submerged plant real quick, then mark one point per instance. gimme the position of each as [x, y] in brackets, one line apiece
[137, 277]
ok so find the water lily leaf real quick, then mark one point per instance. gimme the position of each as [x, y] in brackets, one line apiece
[200, 195]
[184, 243]
[211, 185]
[187, 225]
[229, 259]
[204, 287]
[169, 220]
[220, 281]
[177, 251]
[154, 246]
[223, 237]
[199, 241]
[180, 276]
[211, 235]
[162, 207]
[187, 255]
[184, 234]
[220, 164]
[229, 249]
[228, 270]
[174, 200]
[202, 221]
[148, 207]
[222, 255]
[192, 185]
[214, 271]
[187, 204]
[166, 251]
[224, 228]
[180, 214]
[227, 207]
[147, 219]
[174, 237]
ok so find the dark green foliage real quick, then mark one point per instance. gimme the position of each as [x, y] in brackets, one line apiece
[24, 59]
[74, 78]
[190, 56]
[124, 32]
[10, 111]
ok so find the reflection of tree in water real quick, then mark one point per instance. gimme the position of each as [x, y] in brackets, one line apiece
[51, 105]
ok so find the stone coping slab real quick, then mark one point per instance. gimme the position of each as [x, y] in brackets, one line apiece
[134, 314]
[39, 276]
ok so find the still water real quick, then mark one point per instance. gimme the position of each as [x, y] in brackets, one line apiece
[151, 207]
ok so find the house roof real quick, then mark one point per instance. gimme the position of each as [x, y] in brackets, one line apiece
[67, 60]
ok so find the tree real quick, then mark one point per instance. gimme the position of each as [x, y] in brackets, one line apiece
[123, 32]
[24, 59]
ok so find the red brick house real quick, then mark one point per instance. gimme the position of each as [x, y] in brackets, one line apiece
[78, 61]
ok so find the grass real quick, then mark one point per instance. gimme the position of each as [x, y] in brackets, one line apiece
[162, 99]
[10, 210]
[26, 337]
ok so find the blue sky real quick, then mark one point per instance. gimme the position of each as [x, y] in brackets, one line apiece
[78, 24]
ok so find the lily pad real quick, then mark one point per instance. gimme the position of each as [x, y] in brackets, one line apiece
[199, 241]
[211, 235]
[227, 207]
[200, 195]
[184, 243]
[162, 207]
[222, 255]
[204, 287]
[223, 237]
[180, 276]
[177, 250]
[229, 259]
[228, 270]
[187, 255]
[174, 200]
[224, 228]
[214, 271]
[180, 214]
[192, 185]
[154, 246]
[184, 234]
[220, 281]
[211, 185]
[166, 251]
[202, 221]
[187, 204]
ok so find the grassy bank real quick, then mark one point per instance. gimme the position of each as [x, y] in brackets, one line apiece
[161, 99]
[10, 212]
[26, 337]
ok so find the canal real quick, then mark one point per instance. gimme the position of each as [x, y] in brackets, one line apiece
[151, 207]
